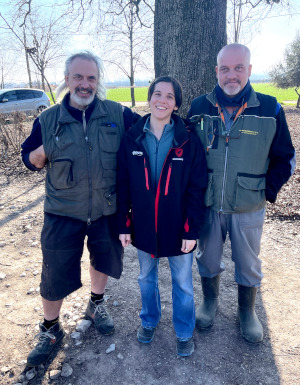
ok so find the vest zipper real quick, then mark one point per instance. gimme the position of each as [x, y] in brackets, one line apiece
[84, 121]
[89, 167]
[237, 117]
[84, 130]
[225, 173]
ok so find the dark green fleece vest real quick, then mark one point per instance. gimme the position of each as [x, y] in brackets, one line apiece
[82, 161]
[237, 161]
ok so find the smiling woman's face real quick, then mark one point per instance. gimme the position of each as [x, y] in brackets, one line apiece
[162, 102]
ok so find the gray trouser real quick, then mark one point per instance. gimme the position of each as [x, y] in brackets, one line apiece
[245, 231]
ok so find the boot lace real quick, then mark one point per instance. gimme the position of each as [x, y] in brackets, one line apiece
[100, 309]
[43, 336]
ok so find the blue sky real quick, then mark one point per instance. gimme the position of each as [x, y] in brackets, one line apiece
[268, 46]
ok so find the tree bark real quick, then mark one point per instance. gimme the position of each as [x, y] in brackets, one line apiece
[187, 38]
[27, 59]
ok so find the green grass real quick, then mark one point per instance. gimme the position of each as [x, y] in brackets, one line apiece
[50, 97]
[123, 94]
[280, 94]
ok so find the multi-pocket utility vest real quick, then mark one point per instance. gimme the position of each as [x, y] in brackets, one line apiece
[82, 160]
[237, 160]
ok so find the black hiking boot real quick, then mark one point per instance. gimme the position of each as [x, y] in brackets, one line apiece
[48, 340]
[185, 347]
[97, 313]
[145, 335]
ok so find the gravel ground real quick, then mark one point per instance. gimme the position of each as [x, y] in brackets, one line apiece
[221, 355]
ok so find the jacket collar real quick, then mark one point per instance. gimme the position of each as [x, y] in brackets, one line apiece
[137, 133]
[252, 101]
[69, 114]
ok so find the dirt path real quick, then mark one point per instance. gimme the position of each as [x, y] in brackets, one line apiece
[221, 355]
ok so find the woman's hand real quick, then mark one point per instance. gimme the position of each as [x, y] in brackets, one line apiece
[125, 239]
[187, 245]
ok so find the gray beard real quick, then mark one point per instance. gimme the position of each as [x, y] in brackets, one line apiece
[82, 102]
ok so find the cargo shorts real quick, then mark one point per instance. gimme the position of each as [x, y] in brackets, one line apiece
[62, 241]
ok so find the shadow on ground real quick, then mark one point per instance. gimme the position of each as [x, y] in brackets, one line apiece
[221, 355]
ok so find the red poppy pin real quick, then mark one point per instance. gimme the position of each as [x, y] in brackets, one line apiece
[179, 152]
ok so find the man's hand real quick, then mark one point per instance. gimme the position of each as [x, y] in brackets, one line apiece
[125, 239]
[187, 245]
[38, 157]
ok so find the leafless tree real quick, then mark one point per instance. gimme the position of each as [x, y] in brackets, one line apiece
[245, 17]
[126, 29]
[41, 38]
[8, 72]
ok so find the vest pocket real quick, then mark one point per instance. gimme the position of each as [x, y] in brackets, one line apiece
[250, 192]
[60, 173]
[109, 167]
[111, 203]
[109, 139]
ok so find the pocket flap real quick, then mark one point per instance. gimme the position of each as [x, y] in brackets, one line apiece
[252, 183]
[109, 163]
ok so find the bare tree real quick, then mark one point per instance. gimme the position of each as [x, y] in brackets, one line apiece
[7, 71]
[245, 17]
[287, 73]
[42, 40]
[45, 44]
[126, 29]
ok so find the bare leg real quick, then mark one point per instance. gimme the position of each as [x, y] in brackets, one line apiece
[51, 308]
[98, 281]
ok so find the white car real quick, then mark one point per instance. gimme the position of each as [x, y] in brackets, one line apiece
[27, 100]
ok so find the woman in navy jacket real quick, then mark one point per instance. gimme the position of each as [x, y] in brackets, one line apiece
[161, 182]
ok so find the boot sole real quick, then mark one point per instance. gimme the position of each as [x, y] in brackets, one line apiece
[204, 327]
[251, 342]
[99, 331]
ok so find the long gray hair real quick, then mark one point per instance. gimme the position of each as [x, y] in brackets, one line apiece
[85, 55]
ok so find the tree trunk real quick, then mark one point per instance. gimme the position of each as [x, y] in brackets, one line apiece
[298, 101]
[132, 87]
[131, 59]
[50, 90]
[187, 38]
[42, 70]
[27, 60]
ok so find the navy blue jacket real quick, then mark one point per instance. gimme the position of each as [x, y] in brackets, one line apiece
[159, 218]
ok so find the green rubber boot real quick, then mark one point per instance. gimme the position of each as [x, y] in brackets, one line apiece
[251, 328]
[205, 313]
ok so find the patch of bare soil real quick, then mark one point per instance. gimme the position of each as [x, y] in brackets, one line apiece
[221, 355]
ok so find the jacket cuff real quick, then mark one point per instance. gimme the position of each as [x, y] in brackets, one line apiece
[124, 227]
[27, 163]
[270, 196]
[191, 236]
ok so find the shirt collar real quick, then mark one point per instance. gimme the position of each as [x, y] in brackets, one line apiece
[168, 126]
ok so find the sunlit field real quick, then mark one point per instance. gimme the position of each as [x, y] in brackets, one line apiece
[282, 95]
[122, 94]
